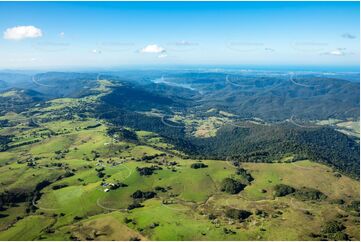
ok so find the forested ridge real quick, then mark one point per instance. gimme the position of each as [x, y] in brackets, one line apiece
[256, 143]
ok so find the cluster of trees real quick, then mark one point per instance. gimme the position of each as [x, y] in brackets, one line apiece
[134, 205]
[231, 186]
[160, 189]
[93, 126]
[237, 214]
[4, 141]
[143, 195]
[100, 172]
[309, 194]
[151, 157]
[117, 185]
[334, 230]
[281, 190]
[67, 173]
[14, 196]
[59, 186]
[355, 206]
[333, 226]
[147, 171]
[243, 173]
[198, 165]
[120, 133]
[305, 193]
[60, 154]
[139, 196]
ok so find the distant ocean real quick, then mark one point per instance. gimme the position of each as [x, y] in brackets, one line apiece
[355, 69]
[276, 68]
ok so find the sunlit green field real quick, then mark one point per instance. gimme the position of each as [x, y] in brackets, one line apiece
[70, 154]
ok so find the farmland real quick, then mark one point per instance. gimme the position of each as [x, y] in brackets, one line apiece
[59, 174]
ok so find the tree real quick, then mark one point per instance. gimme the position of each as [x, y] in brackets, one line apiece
[143, 195]
[340, 236]
[231, 186]
[333, 227]
[147, 171]
[198, 165]
[355, 206]
[238, 214]
[310, 194]
[244, 174]
[282, 190]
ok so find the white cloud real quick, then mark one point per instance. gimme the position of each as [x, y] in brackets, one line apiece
[155, 49]
[337, 52]
[22, 32]
[185, 43]
[24, 60]
[61, 34]
[309, 46]
[348, 36]
[269, 49]
[163, 55]
[95, 51]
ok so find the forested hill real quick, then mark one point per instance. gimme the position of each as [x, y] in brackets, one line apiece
[255, 143]
[269, 143]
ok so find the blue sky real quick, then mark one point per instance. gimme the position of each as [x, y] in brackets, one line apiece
[116, 34]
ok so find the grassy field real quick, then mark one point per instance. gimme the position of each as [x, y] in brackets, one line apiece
[65, 174]
[350, 128]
